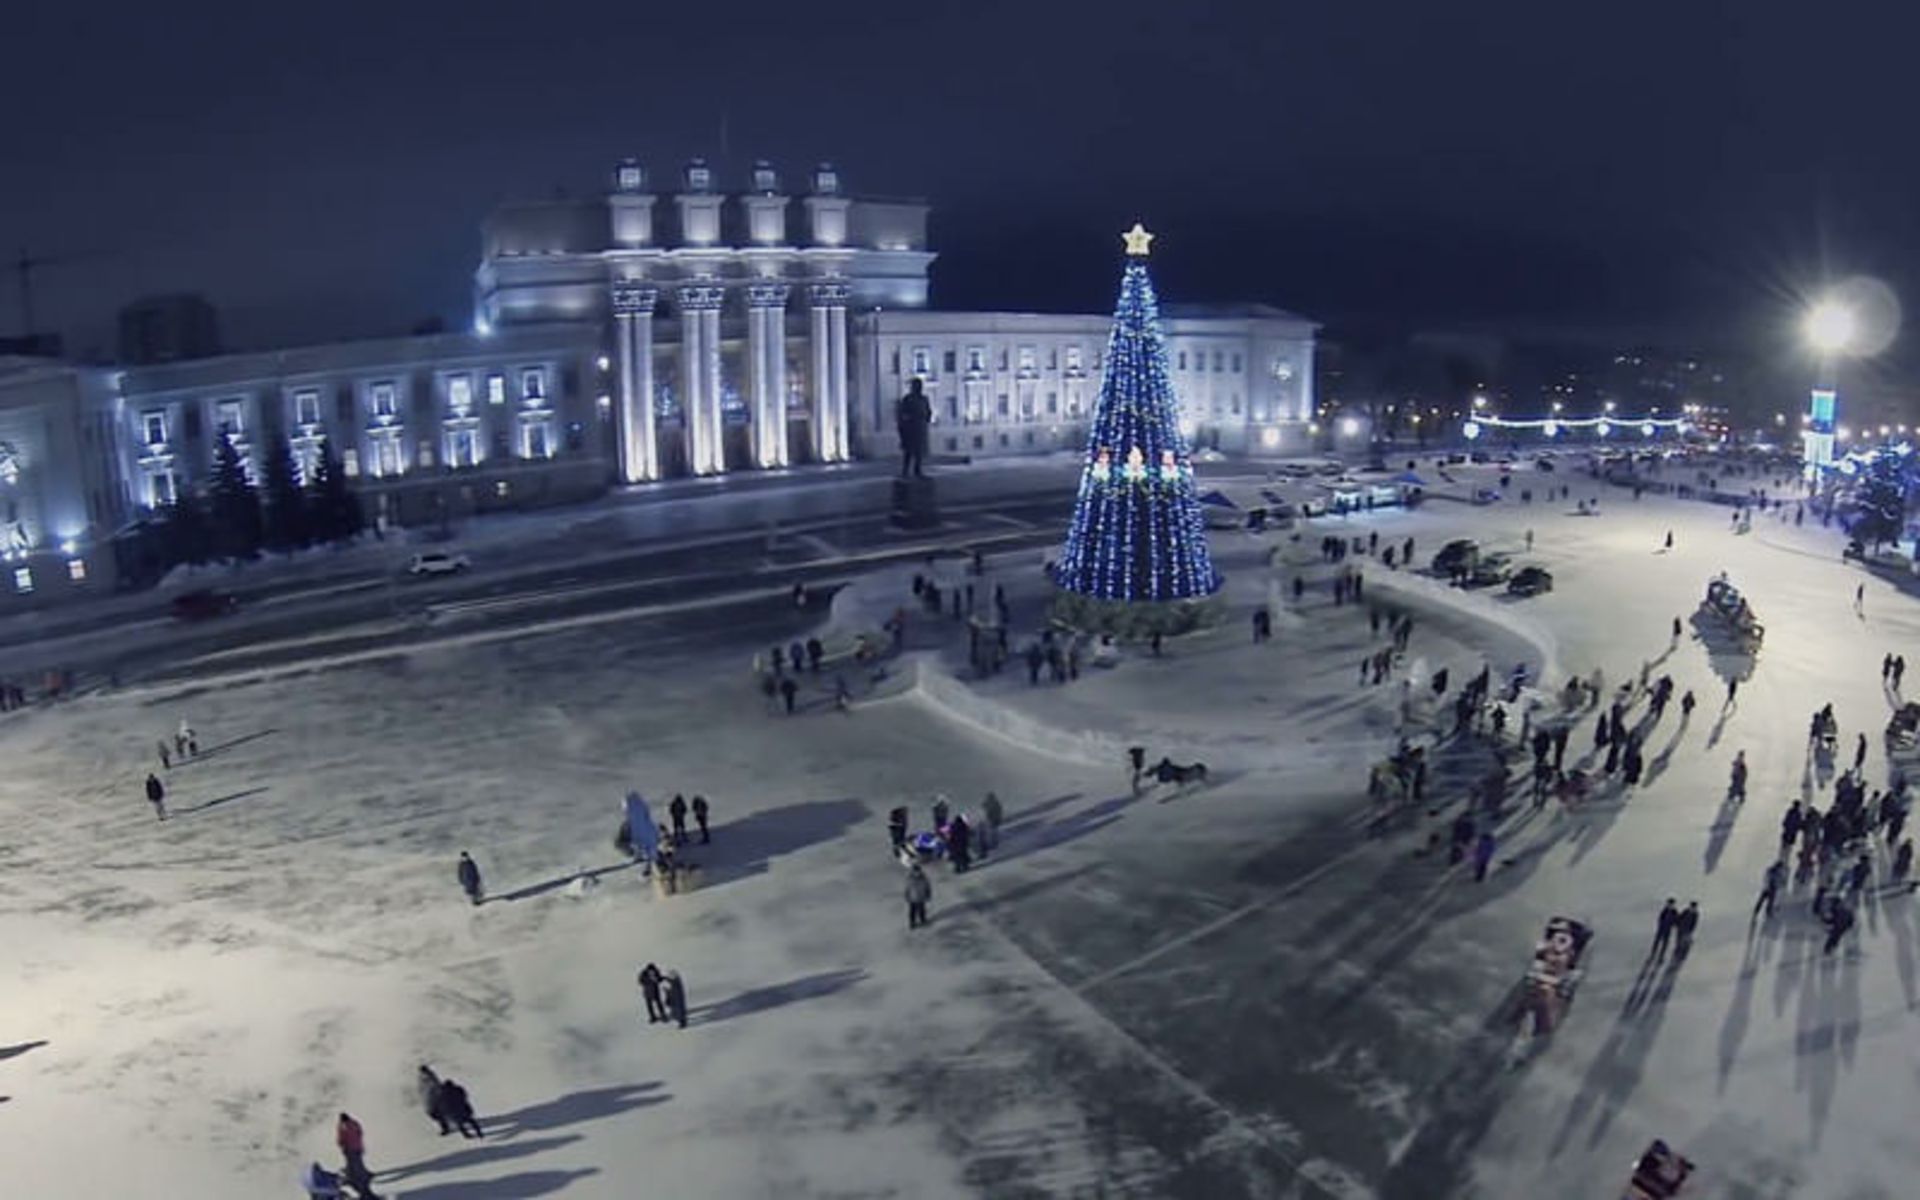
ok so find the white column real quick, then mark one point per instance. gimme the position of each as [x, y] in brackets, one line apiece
[710, 376]
[829, 346]
[767, 359]
[633, 330]
[700, 376]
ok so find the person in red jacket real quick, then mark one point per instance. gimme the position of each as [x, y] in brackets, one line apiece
[352, 1141]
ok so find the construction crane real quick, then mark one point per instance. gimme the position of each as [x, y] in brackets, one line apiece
[24, 266]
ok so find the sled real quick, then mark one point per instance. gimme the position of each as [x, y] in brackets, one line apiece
[1659, 1174]
[1546, 990]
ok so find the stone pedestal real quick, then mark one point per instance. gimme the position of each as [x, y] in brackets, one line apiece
[914, 504]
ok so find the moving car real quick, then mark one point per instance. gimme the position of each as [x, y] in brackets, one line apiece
[1530, 581]
[1490, 569]
[1457, 555]
[438, 562]
[203, 604]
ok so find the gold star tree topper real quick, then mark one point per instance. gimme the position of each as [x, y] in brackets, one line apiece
[1138, 240]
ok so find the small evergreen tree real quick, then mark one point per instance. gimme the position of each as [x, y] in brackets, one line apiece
[1880, 500]
[333, 510]
[285, 508]
[187, 532]
[233, 504]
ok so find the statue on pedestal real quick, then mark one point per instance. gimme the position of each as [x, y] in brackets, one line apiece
[912, 415]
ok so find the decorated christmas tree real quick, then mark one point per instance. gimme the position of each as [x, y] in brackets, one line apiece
[1137, 536]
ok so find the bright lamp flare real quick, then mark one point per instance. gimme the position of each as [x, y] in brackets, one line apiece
[1830, 326]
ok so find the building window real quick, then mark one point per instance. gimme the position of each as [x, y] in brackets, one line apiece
[978, 441]
[460, 395]
[922, 362]
[461, 449]
[1001, 408]
[536, 440]
[1028, 357]
[953, 409]
[576, 438]
[1003, 441]
[385, 407]
[976, 359]
[502, 489]
[306, 408]
[1003, 359]
[389, 457]
[77, 570]
[496, 389]
[1027, 437]
[1236, 364]
[1053, 403]
[1236, 404]
[160, 489]
[154, 424]
[425, 455]
[350, 462]
[1217, 360]
[1183, 360]
[533, 384]
[896, 362]
[952, 445]
[948, 361]
[23, 579]
[1073, 359]
[1053, 358]
[229, 418]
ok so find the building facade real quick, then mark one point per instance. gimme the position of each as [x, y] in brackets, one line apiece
[622, 339]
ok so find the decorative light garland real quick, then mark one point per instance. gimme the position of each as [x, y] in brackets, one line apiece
[1137, 532]
[1552, 426]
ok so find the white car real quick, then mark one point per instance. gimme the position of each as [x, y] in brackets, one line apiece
[438, 562]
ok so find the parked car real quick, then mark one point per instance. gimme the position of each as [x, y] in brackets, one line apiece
[438, 562]
[1486, 495]
[1208, 455]
[1489, 570]
[1456, 555]
[1530, 581]
[1544, 463]
[203, 604]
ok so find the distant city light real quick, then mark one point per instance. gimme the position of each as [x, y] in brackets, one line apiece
[1470, 430]
[1349, 427]
[1608, 406]
[604, 362]
[1479, 401]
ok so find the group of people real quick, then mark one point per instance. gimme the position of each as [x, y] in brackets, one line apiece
[186, 745]
[447, 1105]
[665, 995]
[954, 836]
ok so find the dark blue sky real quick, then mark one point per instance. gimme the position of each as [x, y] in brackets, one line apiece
[321, 170]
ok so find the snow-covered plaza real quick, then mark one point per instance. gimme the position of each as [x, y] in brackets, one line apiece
[1234, 989]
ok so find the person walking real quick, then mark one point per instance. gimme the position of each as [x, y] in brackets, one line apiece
[1857, 877]
[675, 991]
[352, 1140]
[1683, 927]
[1860, 752]
[960, 844]
[1859, 597]
[788, 689]
[1839, 921]
[459, 1107]
[1669, 544]
[1733, 690]
[816, 651]
[1770, 885]
[1663, 928]
[1686, 705]
[427, 1084]
[1737, 778]
[166, 759]
[157, 795]
[700, 818]
[1790, 825]
[1903, 861]
[1483, 848]
[1136, 763]
[469, 874]
[919, 891]
[677, 811]
[1676, 631]
[650, 980]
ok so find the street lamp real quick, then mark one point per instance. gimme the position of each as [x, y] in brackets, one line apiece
[1830, 327]
[1479, 401]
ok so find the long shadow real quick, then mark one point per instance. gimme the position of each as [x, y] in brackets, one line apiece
[1027, 817]
[1070, 828]
[1721, 831]
[1615, 1071]
[224, 747]
[523, 1186]
[1013, 895]
[1733, 1030]
[218, 800]
[20, 1048]
[470, 1155]
[746, 847]
[577, 1107]
[535, 889]
[1459, 1110]
[757, 1000]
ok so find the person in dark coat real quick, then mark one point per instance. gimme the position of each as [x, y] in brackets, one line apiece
[1683, 927]
[1839, 921]
[1036, 658]
[815, 652]
[1483, 848]
[1663, 928]
[1860, 752]
[677, 810]
[960, 843]
[700, 818]
[1770, 885]
[1462, 837]
[650, 978]
[428, 1086]
[469, 873]
[157, 795]
[675, 992]
[453, 1098]
[788, 689]
[1137, 763]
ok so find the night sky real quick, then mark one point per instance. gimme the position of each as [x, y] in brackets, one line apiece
[1647, 170]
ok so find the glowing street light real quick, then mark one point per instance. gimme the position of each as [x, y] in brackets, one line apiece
[1349, 427]
[1830, 327]
[1608, 406]
[1479, 401]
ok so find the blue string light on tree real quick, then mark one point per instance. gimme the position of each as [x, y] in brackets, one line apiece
[1137, 534]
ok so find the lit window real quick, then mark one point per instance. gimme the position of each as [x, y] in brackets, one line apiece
[533, 384]
[976, 358]
[426, 454]
[160, 489]
[496, 389]
[383, 400]
[1073, 358]
[350, 462]
[1028, 357]
[501, 489]
[229, 418]
[949, 362]
[23, 579]
[77, 570]
[155, 426]
[306, 408]
[922, 362]
[460, 395]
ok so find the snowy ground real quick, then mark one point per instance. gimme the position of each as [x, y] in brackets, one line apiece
[1228, 992]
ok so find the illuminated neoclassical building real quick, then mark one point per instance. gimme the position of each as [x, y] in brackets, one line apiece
[630, 337]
